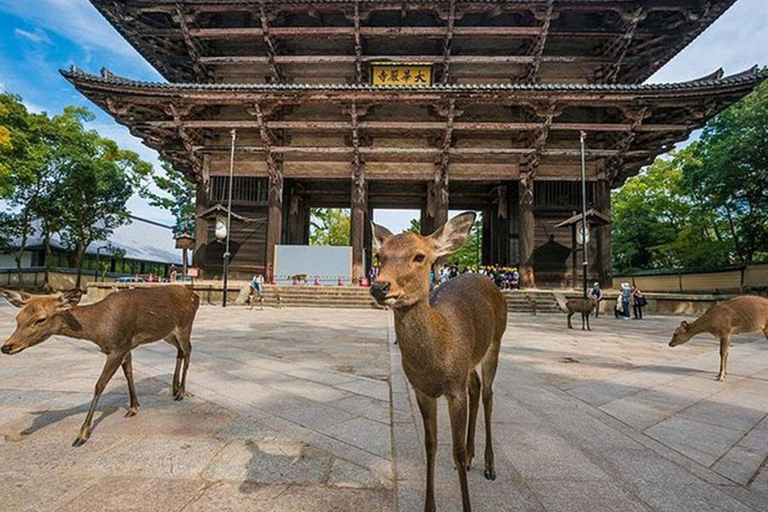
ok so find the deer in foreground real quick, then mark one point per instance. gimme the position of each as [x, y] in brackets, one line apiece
[117, 324]
[583, 306]
[741, 315]
[443, 337]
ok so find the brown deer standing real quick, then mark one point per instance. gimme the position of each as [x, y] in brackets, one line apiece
[443, 337]
[741, 315]
[583, 306]
[120, 322]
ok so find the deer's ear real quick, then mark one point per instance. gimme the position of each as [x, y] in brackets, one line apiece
[69, 299]
[16, 298]
[685, 325]
[453, 234]
[381, 233]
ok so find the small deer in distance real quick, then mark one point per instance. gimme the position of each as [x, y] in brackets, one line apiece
[741, 315]
[583, 306]
[117, 324]
[443, 337]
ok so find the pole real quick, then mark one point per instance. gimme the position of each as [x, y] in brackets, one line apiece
[229, 217]
[584, 223]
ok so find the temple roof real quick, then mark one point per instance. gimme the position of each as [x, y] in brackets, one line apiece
[581, 41]
[485, 131]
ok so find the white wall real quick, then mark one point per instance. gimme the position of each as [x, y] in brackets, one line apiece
[7, 260]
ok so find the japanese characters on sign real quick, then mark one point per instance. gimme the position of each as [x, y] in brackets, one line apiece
[387, 73]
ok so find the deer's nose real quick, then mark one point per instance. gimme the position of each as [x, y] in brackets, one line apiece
[379, 290]
[6, 349]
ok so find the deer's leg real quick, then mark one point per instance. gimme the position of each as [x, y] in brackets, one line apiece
[457, 410]
[428, 408]
[474, 405]
[114, 360]
[489, 365]
[128, 371]
[173, 340]
[570, 314]
[586, 317]
[725, 342]
[185, 347]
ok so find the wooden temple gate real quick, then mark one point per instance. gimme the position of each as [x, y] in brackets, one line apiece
[426, 105]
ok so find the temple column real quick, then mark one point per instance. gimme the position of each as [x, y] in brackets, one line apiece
[274, 222]
[526, 231]
[357, 224]
[201, 227]
[604, 246]
[437, 206]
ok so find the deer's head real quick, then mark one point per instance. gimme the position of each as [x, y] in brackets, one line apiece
[405, 260]
[682, 334]
[41, 317]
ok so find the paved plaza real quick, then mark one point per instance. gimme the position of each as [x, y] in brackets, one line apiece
[308, 410]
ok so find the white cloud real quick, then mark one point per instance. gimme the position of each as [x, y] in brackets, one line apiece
[37, 36]
[76, 20]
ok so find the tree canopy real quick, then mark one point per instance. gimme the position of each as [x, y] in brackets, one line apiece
[329, 226]
[705, 206]
[176, 194]
[56, 170]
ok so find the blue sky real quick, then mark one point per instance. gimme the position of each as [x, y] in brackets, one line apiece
[39, 37]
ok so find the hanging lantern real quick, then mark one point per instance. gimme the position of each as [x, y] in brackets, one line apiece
[221, 228]
[580, 233]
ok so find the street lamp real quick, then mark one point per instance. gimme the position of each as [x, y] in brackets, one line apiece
[98, 250]
[584, 223]
[227, 255]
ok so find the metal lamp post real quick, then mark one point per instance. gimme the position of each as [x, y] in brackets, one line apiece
[227, 255]
[98, 250]
[584, 223]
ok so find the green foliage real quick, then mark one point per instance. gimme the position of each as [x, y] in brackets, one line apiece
[177, 196]
[705, 206]
[329, 226]
[73, 180]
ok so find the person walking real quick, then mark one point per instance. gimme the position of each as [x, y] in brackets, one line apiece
[597, 293]
[626, 297]
[638, 302]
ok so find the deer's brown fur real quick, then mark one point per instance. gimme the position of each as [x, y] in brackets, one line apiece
[741, 315]
[583, 306]
[117, 324]
[443, 337]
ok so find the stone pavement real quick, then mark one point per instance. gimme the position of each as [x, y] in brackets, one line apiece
[308, 409]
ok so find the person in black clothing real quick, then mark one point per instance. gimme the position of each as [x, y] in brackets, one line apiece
[597, 293]
[638, 302]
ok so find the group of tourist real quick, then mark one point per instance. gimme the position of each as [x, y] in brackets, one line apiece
[629, 297]
[506, 278]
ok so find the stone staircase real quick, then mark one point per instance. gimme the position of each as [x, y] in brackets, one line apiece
[520, 301]
[360, 298]
[319, 297]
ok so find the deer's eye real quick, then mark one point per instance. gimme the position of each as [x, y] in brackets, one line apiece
[419, 258]
[40, 321]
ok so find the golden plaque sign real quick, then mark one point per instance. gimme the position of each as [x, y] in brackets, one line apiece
[391, 73]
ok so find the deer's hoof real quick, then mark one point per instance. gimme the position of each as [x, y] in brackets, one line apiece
[720, 378]
[80, 441]
[133, 411]
[179, 396]
[490, 474]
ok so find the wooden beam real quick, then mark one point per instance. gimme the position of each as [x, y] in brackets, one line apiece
[358, 44]
[532, 74]
[350, 59]
[191, 44]
[450, 23]
[615, 163]
[421, 126]
[619, 47]
[269, 44]
[346, 32]
[359, 206]
[547, 114]
[186, 139]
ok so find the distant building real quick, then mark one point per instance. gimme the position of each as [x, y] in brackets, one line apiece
[139, 247]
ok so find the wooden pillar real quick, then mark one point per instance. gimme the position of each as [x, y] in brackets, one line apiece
[437, 205]
[357, 224]
[274, 222]
[526, 231]
[201, 228]
[604, 245]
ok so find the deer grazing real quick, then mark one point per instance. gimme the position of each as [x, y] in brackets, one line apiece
[443, 336]
[119, 323]
[741, 315]
[583, 306]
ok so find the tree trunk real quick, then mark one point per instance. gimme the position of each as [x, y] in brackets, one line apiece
[736, 245]
[47, 263]
[22, 245]
[79, 255]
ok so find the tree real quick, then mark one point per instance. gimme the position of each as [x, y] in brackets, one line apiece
[329, 226]
[728, 171]
[705, 206]
[177, 196]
